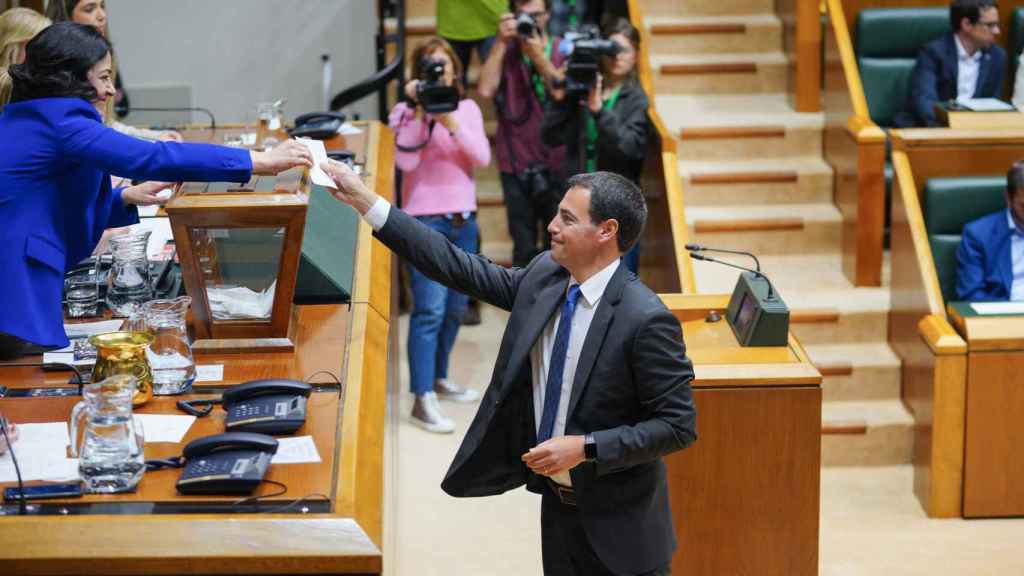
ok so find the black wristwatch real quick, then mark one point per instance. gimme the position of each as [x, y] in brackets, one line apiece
[589, 448]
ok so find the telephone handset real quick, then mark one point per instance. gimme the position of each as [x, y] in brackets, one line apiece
[266, 406]
[231, 463]
[317, 125]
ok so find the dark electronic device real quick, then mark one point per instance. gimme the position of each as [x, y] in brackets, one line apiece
[526, 25]
[585, 50]
[44, 492]
[432, 93]
[346, 156]
[266, 406]
[756, 313]
[231, 463]
[317, 125]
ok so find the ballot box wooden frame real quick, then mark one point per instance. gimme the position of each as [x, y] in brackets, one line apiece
[936, 367]
[351, 342]
[745, 496]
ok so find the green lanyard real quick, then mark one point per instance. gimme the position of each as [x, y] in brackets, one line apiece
[592, 130]
[535, 77]
[574, 18]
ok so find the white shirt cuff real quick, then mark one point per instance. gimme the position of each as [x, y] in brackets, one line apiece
[377, 215]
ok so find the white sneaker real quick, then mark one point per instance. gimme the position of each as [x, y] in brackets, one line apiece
[448, 390]
[427, 414]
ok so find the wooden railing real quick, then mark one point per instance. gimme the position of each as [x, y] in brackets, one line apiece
[665, 263]
[801, 42]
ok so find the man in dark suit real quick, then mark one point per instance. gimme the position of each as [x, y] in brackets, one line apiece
[966, 63]
[990, 260]
[591, 387]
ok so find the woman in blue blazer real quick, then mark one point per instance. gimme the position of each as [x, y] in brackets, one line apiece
[56, 160]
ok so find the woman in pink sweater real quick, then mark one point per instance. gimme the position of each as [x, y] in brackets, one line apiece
[437, 154]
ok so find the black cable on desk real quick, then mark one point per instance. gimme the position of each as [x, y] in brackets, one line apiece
[78, 375]
[17, 470]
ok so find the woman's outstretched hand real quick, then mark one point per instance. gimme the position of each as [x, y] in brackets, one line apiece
[285, 156]
[146, 194]
[351, 189]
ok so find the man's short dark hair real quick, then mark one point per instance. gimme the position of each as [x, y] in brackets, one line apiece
[1015, 178]
[57, 63]
[970, 9]
[614, 196]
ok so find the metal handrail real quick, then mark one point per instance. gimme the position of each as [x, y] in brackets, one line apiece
[386, 71]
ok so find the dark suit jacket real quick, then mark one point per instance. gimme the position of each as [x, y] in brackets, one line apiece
[935, 75]
[984, 267]
[56, 158]
[631, 391]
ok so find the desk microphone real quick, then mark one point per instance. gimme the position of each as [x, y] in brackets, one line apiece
[213, 121]
[771, 289]
[702, 248]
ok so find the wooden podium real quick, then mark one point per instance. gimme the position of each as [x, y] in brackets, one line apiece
[745, 496]
[993, 477]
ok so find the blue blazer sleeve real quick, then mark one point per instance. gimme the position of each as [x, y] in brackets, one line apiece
[923, 85]
[85, 140]
[120, 214]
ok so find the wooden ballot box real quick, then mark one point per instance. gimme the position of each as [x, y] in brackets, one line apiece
[994, 425]
[745, 496]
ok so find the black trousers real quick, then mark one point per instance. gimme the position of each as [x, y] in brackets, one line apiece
[529, 212]
[564, 545]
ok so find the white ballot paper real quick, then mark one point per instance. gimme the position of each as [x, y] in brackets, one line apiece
[986, 105]
[41, 450]
[316, 148]
[297, 450]
[998, 307]
[164, 427]
[209, 372]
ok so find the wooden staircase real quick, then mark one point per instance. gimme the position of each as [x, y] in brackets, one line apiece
[754, 179]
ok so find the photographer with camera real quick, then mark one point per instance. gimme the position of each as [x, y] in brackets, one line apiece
[518, 75]
[440, 139]
[600, 114]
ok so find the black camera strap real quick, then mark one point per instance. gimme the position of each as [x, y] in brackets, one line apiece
[421, 145]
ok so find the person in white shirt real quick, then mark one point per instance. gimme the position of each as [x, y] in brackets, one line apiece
[964, 64]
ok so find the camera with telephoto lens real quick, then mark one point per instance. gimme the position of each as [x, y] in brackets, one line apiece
[432, 93]
[584, 50]
[526, 25]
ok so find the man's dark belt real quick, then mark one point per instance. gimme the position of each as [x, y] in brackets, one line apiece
[566, 494]
[459, 218]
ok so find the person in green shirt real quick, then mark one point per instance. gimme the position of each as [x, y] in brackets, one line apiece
[469, 25]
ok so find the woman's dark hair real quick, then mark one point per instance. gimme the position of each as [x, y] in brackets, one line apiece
[60, 10]
[57, 63]
[618, 25]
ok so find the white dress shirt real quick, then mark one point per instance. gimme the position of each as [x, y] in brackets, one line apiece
[1016, 258]
[591, 292]
[967, 70]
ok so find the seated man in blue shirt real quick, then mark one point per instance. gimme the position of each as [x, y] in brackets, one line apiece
[964, 64]
[990, 260]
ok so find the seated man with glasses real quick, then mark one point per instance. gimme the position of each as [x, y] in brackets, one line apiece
[964, 64]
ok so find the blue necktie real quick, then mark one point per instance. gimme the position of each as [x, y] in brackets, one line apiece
[553, 390]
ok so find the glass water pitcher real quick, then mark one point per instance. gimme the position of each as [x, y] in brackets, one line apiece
[110, 456]
[129, 283]
[170, 353]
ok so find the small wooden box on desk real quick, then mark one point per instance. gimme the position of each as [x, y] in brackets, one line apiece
[745, 496]
[993, 482]
[970, 119]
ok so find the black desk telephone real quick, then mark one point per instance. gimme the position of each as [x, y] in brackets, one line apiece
[266, 406]
[317, 125]
[231, 463]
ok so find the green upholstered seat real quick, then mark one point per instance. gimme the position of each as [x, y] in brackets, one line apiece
[1015, 42]
[948, 205]
[887, 41]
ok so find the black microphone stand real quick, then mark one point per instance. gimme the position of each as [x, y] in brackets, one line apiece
[771, 289]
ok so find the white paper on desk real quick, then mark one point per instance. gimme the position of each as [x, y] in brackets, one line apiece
[209, 373]
[42, 454]
[316, 148]
[296, 450]
[86, 329]
[347, 129]
[160, 235]
[164, 427]
[148, 211]
[986, 105]
[998, 307]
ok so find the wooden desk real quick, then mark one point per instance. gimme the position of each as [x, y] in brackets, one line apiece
[351, 341]
[993, 476]
[745, 496]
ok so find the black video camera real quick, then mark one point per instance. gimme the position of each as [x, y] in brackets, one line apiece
[526, 25]
[585, 50]
[432, 93]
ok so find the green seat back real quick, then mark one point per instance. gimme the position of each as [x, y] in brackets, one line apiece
[948, 205]
[887, 41]
[1015, 41]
